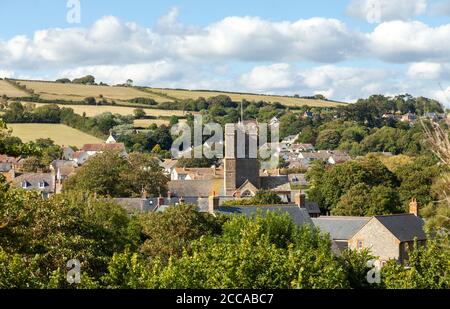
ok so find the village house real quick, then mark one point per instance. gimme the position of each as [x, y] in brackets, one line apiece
[199, 173]
[42, 182]
[410, 118]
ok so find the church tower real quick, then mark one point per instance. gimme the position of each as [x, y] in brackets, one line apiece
[241, 156]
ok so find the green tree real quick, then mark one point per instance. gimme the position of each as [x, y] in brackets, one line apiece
[139, 113]
[328, 139]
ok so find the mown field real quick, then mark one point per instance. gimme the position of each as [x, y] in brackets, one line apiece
[288, 101]
[59, 133]
[10, 91]
[144, 123]
[77, 92]
[92, 110]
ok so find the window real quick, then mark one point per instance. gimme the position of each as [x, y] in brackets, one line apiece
[359, 244]
[24, 184]
[41, 184]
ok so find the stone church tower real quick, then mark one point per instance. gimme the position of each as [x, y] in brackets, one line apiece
[241, 156]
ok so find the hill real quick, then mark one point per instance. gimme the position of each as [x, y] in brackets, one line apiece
[120, 94]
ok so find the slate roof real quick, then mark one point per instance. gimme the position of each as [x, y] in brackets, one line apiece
[299, 215]
[340, 228]
[136, 204]
[404, 227]
[33, 180]
[298, 179]
[5, 167]
[196, 188]
[276, 183]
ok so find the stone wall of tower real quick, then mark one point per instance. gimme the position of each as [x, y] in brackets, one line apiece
[241, 162]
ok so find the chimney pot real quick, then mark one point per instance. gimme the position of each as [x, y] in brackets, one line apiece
[413, 209]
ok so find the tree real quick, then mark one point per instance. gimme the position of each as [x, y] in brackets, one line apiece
[63, 81]
[90, 101]
[87, 80]
[428, 268]
[169, 233]
[129, 82]
[139, 113]
[266, 197]
[328, 139]
[101, 174]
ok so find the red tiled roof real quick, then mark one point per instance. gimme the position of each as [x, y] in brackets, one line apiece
[103, 147]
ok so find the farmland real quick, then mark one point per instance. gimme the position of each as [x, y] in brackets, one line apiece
[77, 92]
[288, 101]
[92, 111]
[60, 134]
[10, 91]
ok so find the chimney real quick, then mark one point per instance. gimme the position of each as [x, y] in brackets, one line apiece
[144, 194]
[160, 201]
[238, 194]
[213, 203]
[300, 200]
[413, 209]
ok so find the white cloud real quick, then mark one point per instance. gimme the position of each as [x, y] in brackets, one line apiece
[375, 11]
[402, 42]
[7, 74]
[425, 70]
[267, 78]
[254, 39]
[141, 74]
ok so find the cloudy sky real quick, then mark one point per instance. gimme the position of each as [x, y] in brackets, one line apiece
[344, 49]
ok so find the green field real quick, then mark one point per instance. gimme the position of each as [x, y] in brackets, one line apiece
[59, 133]
[288, 101]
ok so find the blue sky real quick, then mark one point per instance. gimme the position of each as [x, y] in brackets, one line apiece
[345, 49]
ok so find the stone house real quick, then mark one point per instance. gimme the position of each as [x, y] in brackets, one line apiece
[389, 237]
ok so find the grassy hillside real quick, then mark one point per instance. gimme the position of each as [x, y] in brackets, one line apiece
[288, 101]
[60, 134]
[10, 91]
[77, 92]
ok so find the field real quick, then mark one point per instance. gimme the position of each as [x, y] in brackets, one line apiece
[288, 101]
[92, 110]
[10, 91]
[77, 92]
[60, 134]
[144, 123]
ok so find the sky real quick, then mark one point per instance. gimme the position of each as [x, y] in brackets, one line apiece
[343, 49]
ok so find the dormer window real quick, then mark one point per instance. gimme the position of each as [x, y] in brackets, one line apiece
[24, 184]
[42, 184]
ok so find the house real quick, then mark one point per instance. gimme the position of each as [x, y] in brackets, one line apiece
[340, 229]
[274, 121]
[7, 164]
[110, 145]
[338, 158]
[306, 158]
[168, 165]
[290, 139]
[42, 182]
[62, 169]
[411, 118]
[79, 157]
[184, 173]
[389, 237]
[298, 180]
[435, 117]
[68, 153]
[297, 148]
[307, 115]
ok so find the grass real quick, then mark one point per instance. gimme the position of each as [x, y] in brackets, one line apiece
[11, 91]
[59, 133]
[92, 110]
[288, 101]
[77, 92]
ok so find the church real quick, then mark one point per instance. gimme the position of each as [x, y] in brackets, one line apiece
[242, 176]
